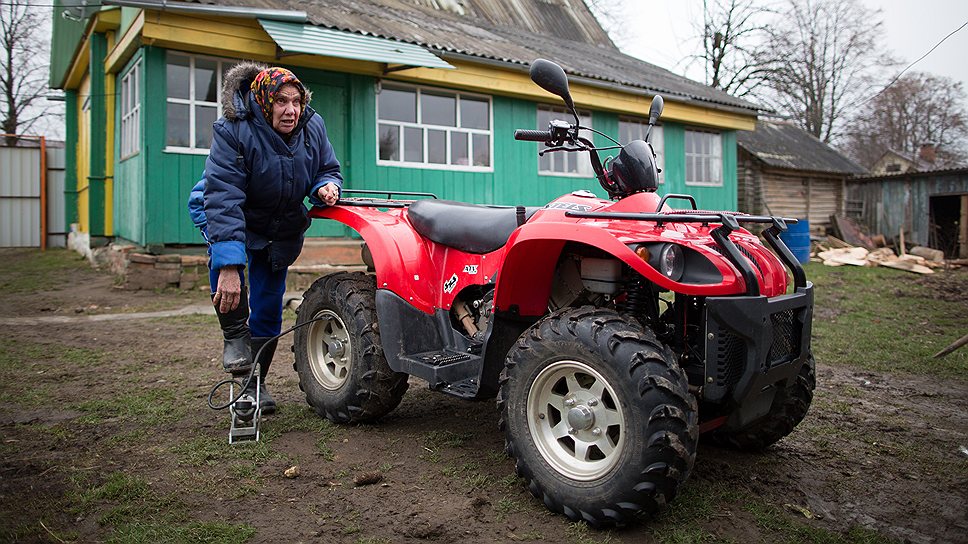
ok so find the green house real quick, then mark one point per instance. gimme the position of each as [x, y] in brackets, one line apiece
[417, 95]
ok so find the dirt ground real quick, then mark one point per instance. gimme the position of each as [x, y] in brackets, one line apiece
[879, 458]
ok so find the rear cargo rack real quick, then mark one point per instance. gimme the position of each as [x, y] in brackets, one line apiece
[387, 202]
[728, 223]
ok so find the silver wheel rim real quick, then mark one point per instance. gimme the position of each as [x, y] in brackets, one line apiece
[576, 420]
[330, 350]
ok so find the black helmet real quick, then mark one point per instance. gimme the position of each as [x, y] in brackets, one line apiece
[634, 171]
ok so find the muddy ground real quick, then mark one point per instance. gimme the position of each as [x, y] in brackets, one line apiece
[106, 437]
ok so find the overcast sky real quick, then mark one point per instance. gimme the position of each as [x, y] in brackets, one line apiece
[662, 32]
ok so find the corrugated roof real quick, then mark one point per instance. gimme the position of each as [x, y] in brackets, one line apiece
[316, 40]
[785, 145]
[510, 31]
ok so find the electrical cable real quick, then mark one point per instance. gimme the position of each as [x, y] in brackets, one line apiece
[898, 76]
[255, 357]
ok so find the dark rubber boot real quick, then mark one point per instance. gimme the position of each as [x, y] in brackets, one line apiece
[265, 360]
[236, 351]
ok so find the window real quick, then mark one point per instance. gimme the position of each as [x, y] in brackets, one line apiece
[193, 100]
[704, 158]
[429, 128]
[563, 163]
[131, 111]
[632, 128]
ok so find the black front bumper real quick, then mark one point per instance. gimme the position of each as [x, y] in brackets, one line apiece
[754, 343]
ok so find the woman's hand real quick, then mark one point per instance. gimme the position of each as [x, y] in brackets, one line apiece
[229, 290]
[328, 193]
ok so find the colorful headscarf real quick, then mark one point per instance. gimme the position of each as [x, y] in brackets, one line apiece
[267, 83]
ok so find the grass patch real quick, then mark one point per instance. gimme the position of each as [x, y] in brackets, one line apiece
[786, 529]
[211, 451]
[31, 270]
[138, 514]
[882, 319]
[151, 407]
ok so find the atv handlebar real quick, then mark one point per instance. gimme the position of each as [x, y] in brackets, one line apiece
[532, 135]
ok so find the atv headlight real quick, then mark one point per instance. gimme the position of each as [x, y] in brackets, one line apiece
[671, 261]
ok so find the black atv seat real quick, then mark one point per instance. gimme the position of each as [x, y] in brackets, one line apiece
[468, 227]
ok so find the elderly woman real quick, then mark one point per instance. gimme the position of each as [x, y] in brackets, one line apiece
[269, 152]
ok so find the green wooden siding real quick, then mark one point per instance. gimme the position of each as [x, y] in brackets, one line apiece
[129, 186]
[98, 103]
[65, 35]
[70, 158]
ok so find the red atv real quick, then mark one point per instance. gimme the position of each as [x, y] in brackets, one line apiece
[613, 332]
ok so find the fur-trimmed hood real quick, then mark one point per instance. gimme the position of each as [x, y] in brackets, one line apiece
[235, 90]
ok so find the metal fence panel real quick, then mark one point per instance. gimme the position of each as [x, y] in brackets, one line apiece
[19, 197]
[56, 224]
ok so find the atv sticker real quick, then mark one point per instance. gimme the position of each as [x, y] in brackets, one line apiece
[450, 284]
[470, 269]
[568, 206]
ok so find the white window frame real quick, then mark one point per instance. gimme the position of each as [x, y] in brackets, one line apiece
[403, 125]
[638, 127]
[131, 112]
[192, 103]
[584, 165]
[715, 155]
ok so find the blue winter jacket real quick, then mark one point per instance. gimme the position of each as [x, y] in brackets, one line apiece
[255, 182]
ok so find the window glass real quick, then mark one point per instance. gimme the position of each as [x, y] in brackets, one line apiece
[474, 113]
[398, 105]
[413, 144]
[178, 134]
[458, 148]
[437, 146]
[206, 84]
[438, 110]
[205, 117]
[179, 76]
[389, 142]
[482, 149]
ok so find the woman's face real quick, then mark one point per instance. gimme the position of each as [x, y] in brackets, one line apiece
[286, 107]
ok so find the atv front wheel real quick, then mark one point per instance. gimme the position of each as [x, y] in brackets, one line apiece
[339, 358]
[598, 416]
[789, 407]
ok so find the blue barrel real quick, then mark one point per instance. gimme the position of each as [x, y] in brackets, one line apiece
[797, 238]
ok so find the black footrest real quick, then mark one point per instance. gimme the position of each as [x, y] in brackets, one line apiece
[440, 358]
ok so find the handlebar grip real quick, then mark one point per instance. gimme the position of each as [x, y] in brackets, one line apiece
[532, 135]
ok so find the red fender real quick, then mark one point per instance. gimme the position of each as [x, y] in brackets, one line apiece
[533, 250]
[400, 256]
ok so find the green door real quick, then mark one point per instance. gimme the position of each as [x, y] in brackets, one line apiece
[330, 101]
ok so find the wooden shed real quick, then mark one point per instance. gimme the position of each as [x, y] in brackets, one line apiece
[930, 207]
[786, 171]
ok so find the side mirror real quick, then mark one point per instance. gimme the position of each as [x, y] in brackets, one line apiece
[551, 77]
[656, 109]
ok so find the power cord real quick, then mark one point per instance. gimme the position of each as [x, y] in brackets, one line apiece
[255, 357]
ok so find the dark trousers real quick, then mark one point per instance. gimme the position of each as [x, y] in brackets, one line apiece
[266, 289]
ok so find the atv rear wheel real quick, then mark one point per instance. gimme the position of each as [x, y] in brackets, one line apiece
[789, 407]
[597, 415]
[339, 358]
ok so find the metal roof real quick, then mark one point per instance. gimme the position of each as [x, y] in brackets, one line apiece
[509, 31]
[785, 145]
[315, 40]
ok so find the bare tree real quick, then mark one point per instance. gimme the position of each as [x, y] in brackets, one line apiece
[24, 64]
[917, 110]
[826, 55]
[734, 45]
